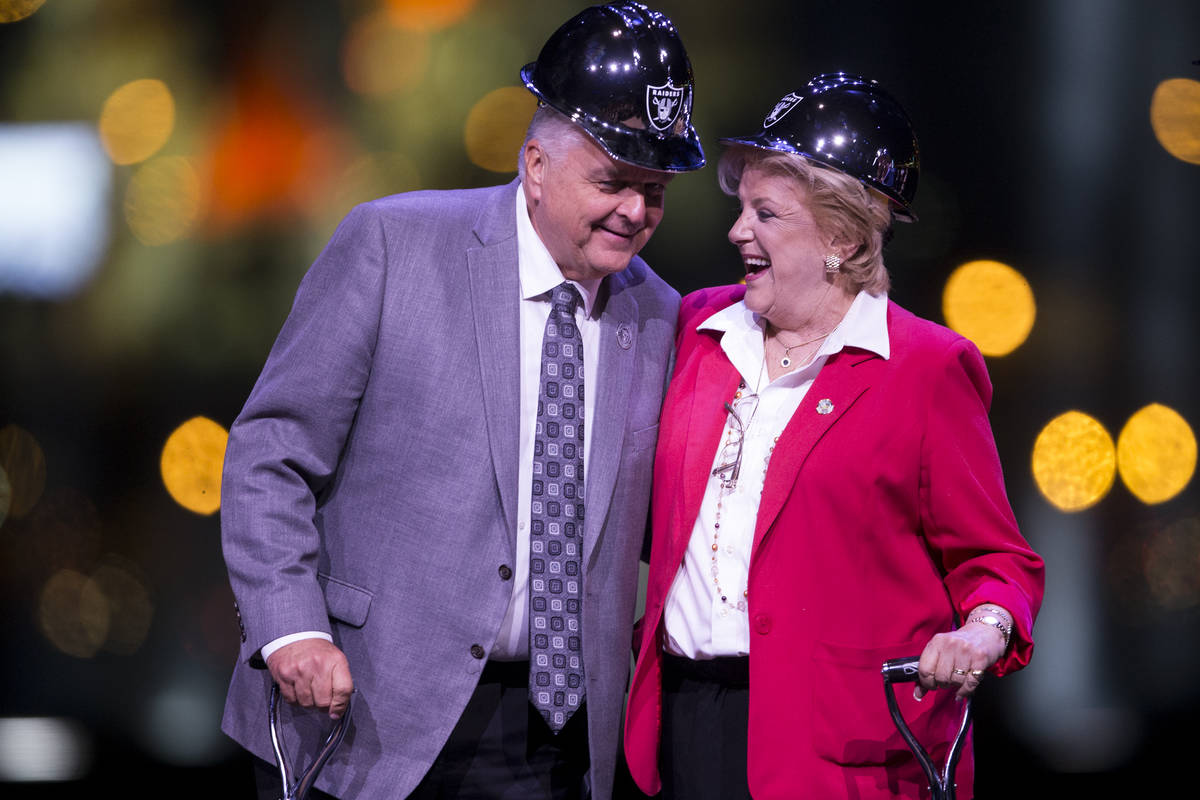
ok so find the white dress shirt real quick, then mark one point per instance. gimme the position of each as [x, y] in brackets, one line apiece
[538, 275]
[698, 623]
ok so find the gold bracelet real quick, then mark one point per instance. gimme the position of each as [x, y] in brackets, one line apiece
[991, 616]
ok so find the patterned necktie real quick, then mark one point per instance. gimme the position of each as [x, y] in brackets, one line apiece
[556, 519]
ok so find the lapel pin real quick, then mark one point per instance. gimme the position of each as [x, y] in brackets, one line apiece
[624, 336]
[824, 406]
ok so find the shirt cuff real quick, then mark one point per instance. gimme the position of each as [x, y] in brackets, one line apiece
[272, 646]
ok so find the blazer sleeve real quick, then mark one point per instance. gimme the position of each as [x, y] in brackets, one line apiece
[966, 516]
[284, 447]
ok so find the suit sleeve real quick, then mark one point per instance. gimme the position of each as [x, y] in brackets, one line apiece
[966, 516]
[284, 447]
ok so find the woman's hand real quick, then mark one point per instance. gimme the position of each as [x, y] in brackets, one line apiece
[960, 658]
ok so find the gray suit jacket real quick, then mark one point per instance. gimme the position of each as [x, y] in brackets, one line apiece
[371, 480]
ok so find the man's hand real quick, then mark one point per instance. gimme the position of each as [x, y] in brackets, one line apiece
[313, 673]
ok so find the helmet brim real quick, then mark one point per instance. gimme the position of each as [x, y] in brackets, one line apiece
[636, 146]
[901, 208]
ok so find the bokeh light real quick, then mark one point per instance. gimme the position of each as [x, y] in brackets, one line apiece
[182, 723]
[1172, 564]
[137, 119]
[428, 15]
[375, 175]
[1156, 454]
[378, 57]
[1175, 117]
[110, 609]
[43, 749]
[991, 304]
[496, 127]
[1074, 461]
[119, 585]
[191, 464]
[14, 10]
[162, 201]
[273, 155]
[25, 468]
[74, 619]
[55, 197]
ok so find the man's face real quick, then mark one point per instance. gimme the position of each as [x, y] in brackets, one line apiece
[592, 213]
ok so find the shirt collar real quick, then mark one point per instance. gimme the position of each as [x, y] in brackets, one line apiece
[864, 326]
[535, 266]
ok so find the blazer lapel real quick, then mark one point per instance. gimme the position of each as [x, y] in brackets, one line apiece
[617, 356]
[716, 382]
[840, 383]
[494, 288]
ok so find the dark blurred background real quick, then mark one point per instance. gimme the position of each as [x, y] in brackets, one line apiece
[169, 169]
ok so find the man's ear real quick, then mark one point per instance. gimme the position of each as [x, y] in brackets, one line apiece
[535, 169]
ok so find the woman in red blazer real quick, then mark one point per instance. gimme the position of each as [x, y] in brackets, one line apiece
[827, 491]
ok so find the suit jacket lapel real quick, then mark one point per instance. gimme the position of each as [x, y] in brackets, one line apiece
[494, 288]
[617, 356]
[716, 382]
[841, 381]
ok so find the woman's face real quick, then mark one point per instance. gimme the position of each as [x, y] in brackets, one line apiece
[782, 250]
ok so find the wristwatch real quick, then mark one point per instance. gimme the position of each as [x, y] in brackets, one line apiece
[988, 617]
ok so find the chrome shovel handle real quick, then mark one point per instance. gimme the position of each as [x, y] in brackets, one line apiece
[298, 789]
[941, 787]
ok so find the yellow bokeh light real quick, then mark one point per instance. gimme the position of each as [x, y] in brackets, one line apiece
[378, 57]
[14, 10]
[1074, 461]
[428, 15]
[73, 619]
[24, 468]
[375, 175]
[1156, 454]
[162, 201]
[191, 464]
[496, 127]
[1175, 117]
[137, 119]
[991, 304]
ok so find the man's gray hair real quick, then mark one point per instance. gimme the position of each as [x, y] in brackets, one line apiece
[554, 131]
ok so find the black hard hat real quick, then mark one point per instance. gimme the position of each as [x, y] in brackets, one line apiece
[851, 124]
[620, 72]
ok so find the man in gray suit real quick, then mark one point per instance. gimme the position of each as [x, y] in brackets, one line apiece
[401, 510]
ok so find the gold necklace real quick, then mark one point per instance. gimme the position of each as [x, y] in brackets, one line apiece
[786, 362]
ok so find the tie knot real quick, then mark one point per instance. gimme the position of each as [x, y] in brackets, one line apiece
[565, 299]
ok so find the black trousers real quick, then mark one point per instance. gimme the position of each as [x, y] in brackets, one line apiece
[706, 713]
[501, 749]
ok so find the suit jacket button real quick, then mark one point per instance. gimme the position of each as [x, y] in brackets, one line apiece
[477, 651]
[762, 623]
[505, 572]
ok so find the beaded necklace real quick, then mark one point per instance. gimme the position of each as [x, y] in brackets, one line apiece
[726, 487]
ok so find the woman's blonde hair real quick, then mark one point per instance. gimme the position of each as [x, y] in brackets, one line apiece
[842, 206]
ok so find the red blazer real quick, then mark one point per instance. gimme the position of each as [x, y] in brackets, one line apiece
[880, 521]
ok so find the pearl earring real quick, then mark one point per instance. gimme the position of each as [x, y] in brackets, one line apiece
[833, 263]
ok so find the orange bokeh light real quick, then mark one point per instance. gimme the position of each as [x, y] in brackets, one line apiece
[428, 15]
[271, 155]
